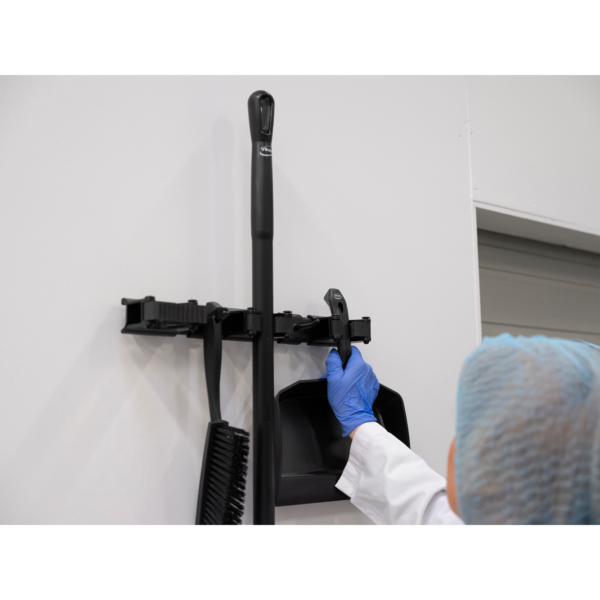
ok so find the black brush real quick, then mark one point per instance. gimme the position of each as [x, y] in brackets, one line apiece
[225, 463]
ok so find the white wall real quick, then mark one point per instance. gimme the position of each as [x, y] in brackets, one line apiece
[113, 187]
[535, 147]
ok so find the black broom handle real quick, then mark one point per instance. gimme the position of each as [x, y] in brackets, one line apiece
[261, 108]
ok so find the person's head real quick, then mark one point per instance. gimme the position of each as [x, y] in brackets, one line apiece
[528, 432]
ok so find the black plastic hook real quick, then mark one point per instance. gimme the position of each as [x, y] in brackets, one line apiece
[310, 325]
[214, 309]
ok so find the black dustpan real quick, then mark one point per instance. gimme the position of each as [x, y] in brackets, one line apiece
[310, 451]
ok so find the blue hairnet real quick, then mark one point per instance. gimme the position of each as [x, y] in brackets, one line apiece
[528, 432]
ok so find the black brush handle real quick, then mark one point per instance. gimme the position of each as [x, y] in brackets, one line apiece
[261, 110]
[337, 305]
[213, 348]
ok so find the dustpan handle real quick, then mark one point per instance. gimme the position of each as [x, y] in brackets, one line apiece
[339, 309]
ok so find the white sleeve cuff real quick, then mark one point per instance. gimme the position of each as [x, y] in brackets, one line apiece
[361, 441]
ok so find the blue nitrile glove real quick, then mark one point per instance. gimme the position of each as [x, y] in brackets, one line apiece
[351, 391]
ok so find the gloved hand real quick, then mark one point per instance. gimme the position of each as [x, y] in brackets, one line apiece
[351, 391]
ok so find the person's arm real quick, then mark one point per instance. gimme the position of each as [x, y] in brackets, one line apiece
[383, 478]
[390, 484]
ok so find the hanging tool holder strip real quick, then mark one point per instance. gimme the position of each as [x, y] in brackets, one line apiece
[148, 316]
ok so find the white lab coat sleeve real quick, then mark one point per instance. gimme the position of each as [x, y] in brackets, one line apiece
[390, 484]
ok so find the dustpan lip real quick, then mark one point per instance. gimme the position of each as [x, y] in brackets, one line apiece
[282, 396]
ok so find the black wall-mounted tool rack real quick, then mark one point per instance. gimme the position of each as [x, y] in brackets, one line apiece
[297, 443]
[148, 316]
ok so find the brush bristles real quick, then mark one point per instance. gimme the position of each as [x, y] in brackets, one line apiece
[225, 478]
